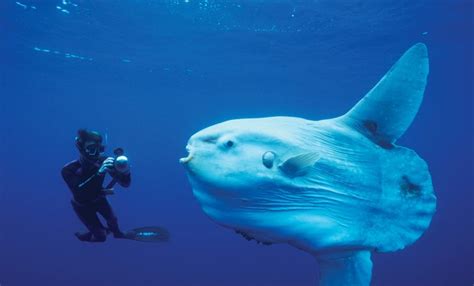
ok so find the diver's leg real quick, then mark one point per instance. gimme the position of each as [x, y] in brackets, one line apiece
[85, 236]
[87, 214]
[105, 209]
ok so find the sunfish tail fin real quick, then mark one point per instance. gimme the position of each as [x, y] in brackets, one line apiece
[389, 108]
[407, 202]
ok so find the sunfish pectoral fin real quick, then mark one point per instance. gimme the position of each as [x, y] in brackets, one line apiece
[388, 109]
[299, 165]
[345, 268]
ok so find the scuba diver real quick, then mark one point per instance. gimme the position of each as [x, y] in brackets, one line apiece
[85, 178]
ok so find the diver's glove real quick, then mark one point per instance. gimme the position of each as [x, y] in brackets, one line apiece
[107, 166]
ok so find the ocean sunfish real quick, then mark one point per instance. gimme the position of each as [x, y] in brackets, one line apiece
[338, 189]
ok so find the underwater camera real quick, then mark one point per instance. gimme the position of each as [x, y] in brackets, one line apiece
[121, 164]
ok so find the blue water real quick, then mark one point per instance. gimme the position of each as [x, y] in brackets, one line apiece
[152, 73]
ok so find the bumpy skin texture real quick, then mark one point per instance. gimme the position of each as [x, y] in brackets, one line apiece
[349, 189]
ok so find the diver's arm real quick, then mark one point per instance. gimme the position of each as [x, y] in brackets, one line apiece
[74, 183]
[83, 186]
[124, 180]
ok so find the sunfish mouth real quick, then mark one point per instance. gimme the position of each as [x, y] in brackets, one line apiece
[185, 160]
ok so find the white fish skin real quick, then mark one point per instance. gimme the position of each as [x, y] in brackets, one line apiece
[338, 188]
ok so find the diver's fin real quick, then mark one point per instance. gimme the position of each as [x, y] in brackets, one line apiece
[300, 164]
[348, 268]
[388, 109]
[148, 234]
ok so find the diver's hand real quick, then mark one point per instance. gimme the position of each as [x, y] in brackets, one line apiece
[107, 166]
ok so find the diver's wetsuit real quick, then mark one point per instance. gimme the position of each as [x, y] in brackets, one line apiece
[85, 183]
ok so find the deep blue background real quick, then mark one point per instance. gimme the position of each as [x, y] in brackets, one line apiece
[162, 70]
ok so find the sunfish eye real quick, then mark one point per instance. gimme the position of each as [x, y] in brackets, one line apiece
[268, 158]
[229, 143]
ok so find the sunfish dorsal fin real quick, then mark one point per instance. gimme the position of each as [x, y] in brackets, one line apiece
[300, 164]
[387, 110]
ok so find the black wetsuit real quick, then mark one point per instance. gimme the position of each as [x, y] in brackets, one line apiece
[85, 183]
